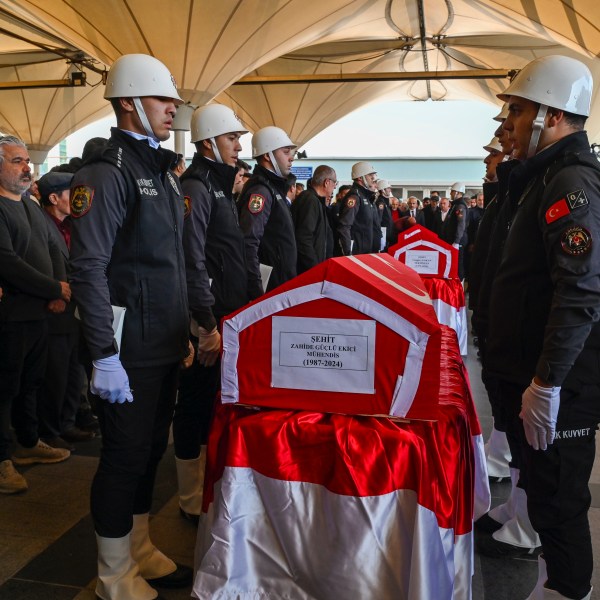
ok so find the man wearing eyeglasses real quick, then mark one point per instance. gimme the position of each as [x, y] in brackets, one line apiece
[314, 237]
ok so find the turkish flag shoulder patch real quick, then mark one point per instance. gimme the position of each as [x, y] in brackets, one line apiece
[557, 210]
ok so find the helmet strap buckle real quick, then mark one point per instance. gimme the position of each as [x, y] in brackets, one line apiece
[537, 128]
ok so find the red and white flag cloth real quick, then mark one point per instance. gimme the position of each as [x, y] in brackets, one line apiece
[307, 506]
[448, 299]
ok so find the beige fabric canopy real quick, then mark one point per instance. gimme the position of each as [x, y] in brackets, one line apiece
[209, 46]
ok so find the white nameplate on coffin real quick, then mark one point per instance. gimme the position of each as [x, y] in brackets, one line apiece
[425, 262]
[331, 355]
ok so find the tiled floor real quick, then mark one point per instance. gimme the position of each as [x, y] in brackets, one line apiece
[47, 545]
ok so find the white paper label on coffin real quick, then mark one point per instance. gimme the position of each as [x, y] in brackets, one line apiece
[425, 262]
[333, 355]
[446, 252]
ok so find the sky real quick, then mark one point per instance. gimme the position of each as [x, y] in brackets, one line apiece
[416, 129]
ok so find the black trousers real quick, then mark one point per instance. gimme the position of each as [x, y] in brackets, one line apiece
[134, 438]
[198, 388]
[59, 396]
[556, 482]
[23, 347]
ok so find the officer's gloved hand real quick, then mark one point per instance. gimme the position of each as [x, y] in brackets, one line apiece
[110, 381]
[457, 246]
[539, 410]
[209, 346]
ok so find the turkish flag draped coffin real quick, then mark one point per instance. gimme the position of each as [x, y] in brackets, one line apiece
[422, 250]
[315, 506]
[353, 335]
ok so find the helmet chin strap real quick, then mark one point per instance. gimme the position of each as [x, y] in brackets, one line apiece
[215, 150]
[538, 126]
[275, 164]
[144, 119]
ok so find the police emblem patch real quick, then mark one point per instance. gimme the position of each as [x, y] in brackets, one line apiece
[576, 241]
[351, 202]
[81, 200]
[256, 203]
[187, 206]
[577, 199]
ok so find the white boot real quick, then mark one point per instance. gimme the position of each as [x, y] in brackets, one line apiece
[497, 454]
[540, 592]
[504, 512]
[518, 530]
[118, 574]
[151, 561]
[189, 481]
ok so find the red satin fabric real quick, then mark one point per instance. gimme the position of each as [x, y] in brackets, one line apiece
[449, 291]
[361, 456]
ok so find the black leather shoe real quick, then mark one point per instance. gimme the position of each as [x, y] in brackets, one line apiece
[75, 434]
[181, 577]
[195, 519]
[486, 524]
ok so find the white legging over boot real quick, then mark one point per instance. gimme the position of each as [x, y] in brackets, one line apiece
[151, 561]
[189, 482]
[118, 574]
[540, 592]
[516, 529]
[497, 454]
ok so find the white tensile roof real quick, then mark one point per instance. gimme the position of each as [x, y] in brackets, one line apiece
[209, 45]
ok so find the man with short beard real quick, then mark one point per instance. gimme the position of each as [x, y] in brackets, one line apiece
[33, 280]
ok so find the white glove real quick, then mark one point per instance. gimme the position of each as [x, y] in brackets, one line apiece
[110, 381]
[209, 346]
[457, 246]
[539, 410]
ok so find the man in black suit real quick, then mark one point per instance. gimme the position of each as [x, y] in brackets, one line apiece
[60, 394]
[413, 212]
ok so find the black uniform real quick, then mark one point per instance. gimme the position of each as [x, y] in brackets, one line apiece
[358, 221]
[126, 250]
[314, 238]
[268, 228]
[385, 218]
[214, 250]
[544, 313]
[454, 230]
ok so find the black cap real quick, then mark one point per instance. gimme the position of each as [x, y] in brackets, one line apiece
[54, 182]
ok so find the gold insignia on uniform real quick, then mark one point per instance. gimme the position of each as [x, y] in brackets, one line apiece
[187, 206]
[576, 241]
[351, 202]
[256, 203]
[81, 200]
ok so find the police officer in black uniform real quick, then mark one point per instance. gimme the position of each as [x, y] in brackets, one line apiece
[265, 216]
[544, 337]
[454, 230]
[359, 224]
[217, 281]
[126, 250]
[382, 203]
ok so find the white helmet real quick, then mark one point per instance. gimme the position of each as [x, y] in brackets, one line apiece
[501, 116]
[138, 75]
[458, 186]
[362, 168]
[382, 184]
[494, 145]
[557, 81]
[268, 139]
[212, 120]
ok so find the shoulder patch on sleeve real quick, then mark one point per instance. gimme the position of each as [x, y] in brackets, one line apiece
[556, 211]
[187, 206]
[256, 203]
[577, 199]
[351, 202]
[81, 200]
[576, 240]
